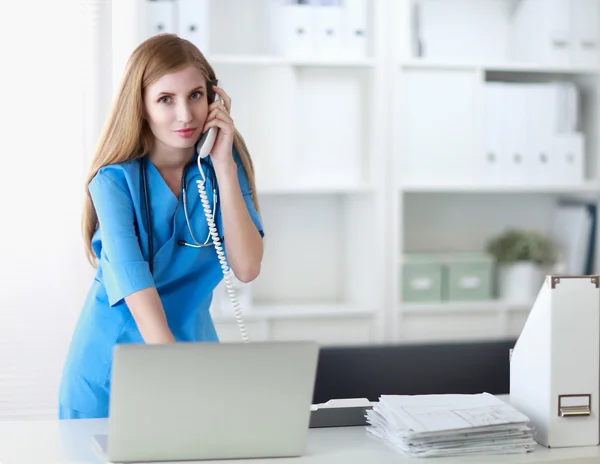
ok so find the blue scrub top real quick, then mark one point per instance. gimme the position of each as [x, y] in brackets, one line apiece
[185, 277]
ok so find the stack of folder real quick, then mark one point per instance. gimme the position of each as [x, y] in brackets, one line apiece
[450, 425]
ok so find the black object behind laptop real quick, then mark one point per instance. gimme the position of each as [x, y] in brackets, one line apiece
[410, 369]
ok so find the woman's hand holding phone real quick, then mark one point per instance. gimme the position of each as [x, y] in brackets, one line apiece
[219, 118]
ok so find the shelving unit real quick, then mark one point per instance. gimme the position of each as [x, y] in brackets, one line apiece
[261, 60]
[440, 199]
[319, 154]
[360, 160]
[423, 63]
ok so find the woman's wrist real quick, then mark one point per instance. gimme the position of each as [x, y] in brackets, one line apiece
[225, 167]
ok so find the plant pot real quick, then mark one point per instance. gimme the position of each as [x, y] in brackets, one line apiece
[519, 282]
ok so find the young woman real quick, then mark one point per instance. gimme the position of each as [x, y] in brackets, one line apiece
[144, 223]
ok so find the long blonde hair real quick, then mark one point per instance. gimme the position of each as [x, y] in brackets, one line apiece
[126, 134]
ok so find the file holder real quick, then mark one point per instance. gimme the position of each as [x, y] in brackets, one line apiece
[340, 413]
[555, 364]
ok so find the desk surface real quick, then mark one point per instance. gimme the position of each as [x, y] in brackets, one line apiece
[61, 442]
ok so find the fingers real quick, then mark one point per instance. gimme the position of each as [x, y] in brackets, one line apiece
[226, 126]
[219, 112]
[216, 106]
[226, 99]
[220, 118]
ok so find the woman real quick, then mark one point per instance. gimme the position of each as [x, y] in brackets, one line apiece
[158, 289]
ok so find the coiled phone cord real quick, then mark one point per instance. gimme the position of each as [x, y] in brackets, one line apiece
[221, 254]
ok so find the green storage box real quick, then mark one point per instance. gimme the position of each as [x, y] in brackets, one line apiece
[469, 277]
[422, 278]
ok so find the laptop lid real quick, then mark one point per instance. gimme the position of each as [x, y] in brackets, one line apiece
[193, 401]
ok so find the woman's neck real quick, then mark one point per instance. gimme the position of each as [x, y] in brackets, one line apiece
[168, 159]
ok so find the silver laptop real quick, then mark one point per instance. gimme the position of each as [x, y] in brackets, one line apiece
[196, 401]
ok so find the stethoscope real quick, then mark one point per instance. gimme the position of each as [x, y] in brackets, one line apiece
[146, 197]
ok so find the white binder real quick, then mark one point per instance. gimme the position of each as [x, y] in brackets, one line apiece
[496, 158]
[327, 23]
[355, 30]
[543, 111]
[161, 18]
[584, 24]
[520, 159]
[569, 151]
[555, 364]
[193, 22]
[541, 31]
[297, 29]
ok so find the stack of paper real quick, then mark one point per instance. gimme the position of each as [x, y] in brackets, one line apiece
[450, 425]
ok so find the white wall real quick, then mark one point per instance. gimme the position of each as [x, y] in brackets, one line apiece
[43, 276]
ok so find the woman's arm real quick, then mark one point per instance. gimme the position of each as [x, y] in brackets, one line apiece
[243, 240]
[126, 273]
[149, 315]
[244, 243]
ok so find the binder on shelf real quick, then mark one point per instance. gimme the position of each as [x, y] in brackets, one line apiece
[569, 151]
[355, 28]
[542, 124]
[585, 18]
[495, 157]
[530, 134]
[193, 22]
[327, 30]
[296, 29]
[571, 228]
[573, 232]
[520, 159]
[540, 32]
[555, 364]
[462, 30]
[332, 29]
[161, 18]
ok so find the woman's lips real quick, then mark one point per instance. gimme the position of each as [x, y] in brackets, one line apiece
[185, 133]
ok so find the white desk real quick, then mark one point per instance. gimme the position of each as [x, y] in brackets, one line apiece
[61, 442]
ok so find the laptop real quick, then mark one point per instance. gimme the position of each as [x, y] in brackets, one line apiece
[200, 401]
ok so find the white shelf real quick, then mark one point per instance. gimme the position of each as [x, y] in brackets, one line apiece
[298, 311]
[274, 60]
[499, 67]
[463, 307]
[590, 187]
[313, 189]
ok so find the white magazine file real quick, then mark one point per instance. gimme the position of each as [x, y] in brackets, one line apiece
[555, 364]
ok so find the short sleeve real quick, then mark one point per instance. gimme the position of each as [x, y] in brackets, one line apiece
[124, 268]
[247, 193]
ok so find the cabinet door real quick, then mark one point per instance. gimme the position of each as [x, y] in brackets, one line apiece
[335, 331]
[453, 326]
[438, 140]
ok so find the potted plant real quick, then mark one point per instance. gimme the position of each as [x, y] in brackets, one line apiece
[523, 258]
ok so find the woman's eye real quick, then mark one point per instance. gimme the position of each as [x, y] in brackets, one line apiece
[196, 95]
[164, 99]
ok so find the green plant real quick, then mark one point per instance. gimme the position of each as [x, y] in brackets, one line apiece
[515, 245]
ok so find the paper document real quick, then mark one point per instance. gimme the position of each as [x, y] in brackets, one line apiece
[450, 425]
[450, 412]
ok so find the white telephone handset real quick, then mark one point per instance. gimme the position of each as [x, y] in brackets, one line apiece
[204, 147]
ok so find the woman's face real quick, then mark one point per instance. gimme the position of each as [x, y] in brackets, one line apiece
[176, 107]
